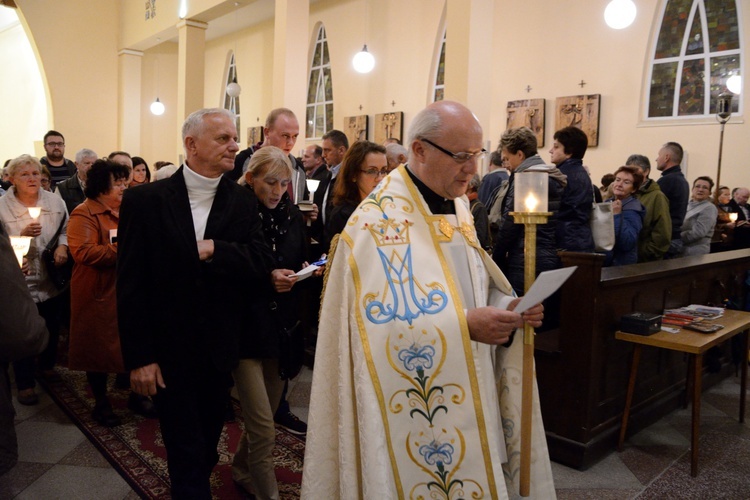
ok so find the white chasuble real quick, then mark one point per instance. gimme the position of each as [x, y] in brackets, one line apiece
[404, 404]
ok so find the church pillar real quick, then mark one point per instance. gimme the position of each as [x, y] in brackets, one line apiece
[128, 102]
[291, 43]
[191, 57]
[468, 55]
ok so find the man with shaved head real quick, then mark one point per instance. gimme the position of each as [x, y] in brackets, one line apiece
[414, 339]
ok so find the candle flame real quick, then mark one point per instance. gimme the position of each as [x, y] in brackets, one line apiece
[733, 217]
[531, 202]
[35, 212]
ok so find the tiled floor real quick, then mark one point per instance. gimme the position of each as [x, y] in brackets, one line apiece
[57, 461]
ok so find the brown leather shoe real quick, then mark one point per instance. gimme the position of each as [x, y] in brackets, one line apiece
[27, 397]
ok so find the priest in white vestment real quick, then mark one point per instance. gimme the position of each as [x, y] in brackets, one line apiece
[416, 393]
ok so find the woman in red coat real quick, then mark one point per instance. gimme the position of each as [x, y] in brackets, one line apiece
[94, 338]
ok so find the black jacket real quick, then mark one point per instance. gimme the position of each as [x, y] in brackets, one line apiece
[175, 309]
[677, 190]
[573, 229]
[71, 192]
[509, 248]
[270, 310]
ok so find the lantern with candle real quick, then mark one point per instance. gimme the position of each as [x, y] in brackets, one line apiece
[531, 191]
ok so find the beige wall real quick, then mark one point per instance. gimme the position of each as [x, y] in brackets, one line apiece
[77, 47]
[24, 103]
[548, 45]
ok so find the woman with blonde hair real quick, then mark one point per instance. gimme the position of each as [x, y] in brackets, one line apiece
[273, 320]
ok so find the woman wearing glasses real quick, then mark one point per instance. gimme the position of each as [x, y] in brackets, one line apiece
[362, 168]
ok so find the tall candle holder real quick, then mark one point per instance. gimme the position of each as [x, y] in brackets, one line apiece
[530, 209]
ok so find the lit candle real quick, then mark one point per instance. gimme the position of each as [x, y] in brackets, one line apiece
[733, 217]
[20, 246]
[35, 212]
[531, 191]
[312, 186]
[530, 202]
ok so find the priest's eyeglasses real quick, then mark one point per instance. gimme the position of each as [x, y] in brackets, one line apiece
[461, 157]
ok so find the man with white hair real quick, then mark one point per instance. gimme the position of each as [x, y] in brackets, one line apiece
[71, 189]
[396, 155]
[194, 245]
[412, 388]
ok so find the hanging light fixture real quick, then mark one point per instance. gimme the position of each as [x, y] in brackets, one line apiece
[620, 14]
[363, 61]
[157, 107]
[233, 88]
[182, 10]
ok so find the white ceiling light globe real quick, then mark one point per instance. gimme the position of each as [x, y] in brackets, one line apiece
[363, 61]
[734, 84]
[234, 89]
[620, 14]
[157, 107]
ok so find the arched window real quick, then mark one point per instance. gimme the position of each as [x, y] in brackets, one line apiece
[232, 103]
[319, 90]
[439, 89]
[696, 52]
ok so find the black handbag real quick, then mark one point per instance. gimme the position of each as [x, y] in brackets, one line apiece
[58, 275]
[291, 346]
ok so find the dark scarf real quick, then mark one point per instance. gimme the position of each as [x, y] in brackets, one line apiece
[275, 221]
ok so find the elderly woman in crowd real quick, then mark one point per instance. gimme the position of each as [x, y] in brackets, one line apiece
[46, 179]
[629, 214]
[258, 377]
[26, 173]
[700, 219]
[364, 165]
[141, 173]
[94, 339]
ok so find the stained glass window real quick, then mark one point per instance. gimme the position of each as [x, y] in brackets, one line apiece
[439, 88]
[319, 118]
[232, 103]
[697, 50]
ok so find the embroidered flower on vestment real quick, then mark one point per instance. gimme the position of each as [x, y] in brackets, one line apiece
[437, 453]
[417, 356]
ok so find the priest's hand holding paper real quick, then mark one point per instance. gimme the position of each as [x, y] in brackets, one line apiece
[491, 325]
[533, 315]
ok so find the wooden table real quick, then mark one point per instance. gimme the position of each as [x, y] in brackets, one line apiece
[695, 344]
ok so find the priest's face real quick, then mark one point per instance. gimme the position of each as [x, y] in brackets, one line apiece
[447, 162]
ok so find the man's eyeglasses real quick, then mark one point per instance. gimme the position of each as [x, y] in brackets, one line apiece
[461, 157]
[374, 172]
[56, 144]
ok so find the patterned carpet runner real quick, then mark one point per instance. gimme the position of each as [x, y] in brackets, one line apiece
[136, 450]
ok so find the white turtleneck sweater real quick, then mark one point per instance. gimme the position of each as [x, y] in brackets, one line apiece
[201, 192]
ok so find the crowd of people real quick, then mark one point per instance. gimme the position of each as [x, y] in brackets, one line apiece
[186, 282]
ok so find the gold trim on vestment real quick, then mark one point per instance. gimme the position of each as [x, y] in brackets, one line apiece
[370, 364]
[432, 220]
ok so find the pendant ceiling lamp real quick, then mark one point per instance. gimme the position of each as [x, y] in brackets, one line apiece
[157, 107]
[620, 14]
[363, 61]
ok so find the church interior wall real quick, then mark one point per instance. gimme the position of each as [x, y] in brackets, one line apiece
[549, 46]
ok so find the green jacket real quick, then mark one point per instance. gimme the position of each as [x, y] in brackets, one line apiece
[654, 238]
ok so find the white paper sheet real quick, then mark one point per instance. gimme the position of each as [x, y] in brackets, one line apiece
[306, 272]
[545, 285]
